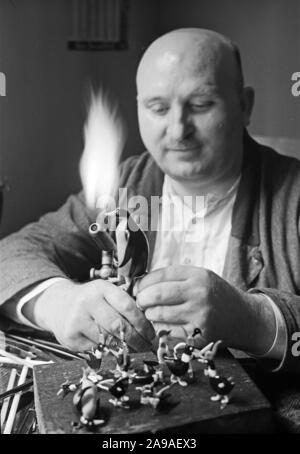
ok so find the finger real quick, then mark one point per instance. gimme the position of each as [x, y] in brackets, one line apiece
[83, 343]
[108, 318]
[78, 343]
[181, 331]
[80, 333]
[168, 314]
[177, 331]
[91, 330]
[170, 273]
[125, 305]
[163, 293]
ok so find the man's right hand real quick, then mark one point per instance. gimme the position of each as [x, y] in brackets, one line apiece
[74, 312]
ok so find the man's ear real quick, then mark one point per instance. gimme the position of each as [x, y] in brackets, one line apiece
[247, 100]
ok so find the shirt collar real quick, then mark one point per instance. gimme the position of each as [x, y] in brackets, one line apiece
[210, 203]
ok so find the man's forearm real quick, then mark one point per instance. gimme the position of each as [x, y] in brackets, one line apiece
[279, 346]
[16, 308]
[41, 309]
[255, 323]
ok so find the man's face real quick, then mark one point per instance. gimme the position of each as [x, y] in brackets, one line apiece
[191, 119]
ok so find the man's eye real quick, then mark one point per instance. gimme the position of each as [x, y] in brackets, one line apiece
[159, 109]
[200, 107]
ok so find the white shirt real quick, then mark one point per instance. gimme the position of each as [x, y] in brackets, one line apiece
[193, 237]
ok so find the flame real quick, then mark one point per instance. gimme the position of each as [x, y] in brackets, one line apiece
[104, 135]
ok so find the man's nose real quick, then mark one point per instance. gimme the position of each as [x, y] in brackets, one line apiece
[180, 125]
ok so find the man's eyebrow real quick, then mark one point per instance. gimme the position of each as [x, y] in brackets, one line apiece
[201, 90]
[151, 99]
[210, 89]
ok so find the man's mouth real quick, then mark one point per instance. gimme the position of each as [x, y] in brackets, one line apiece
[183, 149]
[184, 152]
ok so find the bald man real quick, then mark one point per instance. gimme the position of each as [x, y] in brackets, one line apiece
[232, 270]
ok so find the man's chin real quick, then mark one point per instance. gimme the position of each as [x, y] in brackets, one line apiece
[184, 169]
[190, 174]
[181, 169]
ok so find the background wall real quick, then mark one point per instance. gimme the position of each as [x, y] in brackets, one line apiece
[268, 35]
[42, 115]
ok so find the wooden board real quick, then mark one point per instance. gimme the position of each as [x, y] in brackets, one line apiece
[190, 409]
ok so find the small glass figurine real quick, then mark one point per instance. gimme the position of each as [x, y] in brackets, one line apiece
[86, 399]
[118, 390]
[180, 366]
[222, 386]
[152, 396]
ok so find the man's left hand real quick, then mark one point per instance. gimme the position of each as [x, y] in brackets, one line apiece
[182, 298]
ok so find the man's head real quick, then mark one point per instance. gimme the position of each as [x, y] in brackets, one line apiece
[192, 105]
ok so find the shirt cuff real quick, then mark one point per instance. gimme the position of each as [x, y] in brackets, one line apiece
[36, 291]
[280, 343]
